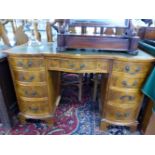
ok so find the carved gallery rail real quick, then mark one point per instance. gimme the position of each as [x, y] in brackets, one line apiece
[36, 76]
[123, 39]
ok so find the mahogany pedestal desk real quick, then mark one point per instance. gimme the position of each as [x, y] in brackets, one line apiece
[35, 72]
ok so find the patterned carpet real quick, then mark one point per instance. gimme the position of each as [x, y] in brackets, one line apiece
[72, 118]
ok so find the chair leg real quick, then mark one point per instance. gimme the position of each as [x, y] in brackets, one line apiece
[95, 87]
[80, 87]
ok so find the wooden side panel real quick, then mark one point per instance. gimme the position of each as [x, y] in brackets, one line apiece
[147, 123]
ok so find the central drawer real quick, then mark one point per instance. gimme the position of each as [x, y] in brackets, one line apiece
[78, 65]
[32, 91]
[34, 108]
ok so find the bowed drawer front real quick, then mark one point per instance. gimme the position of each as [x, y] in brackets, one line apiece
[32, 91]
[119, 114]
[119, 96]
[27, 63]
[34, 108]
[132, 68]
[125, 81]
[29, 76]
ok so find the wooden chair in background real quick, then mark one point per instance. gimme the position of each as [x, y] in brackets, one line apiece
[109, 31]
[49, 32]
[36, 31]
[20, 36]
[3, 35]
[13, 25]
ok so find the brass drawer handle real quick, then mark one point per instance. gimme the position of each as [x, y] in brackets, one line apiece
[127, 69]
[31, 78]
[119, 115]
[137, 69]
[29, 64]
[125, 84]
[26, 93]
[127, 114]
[34, 109]
[71, 65]
[82, 66]
[21, 78]
[32, 94]
[128, 97]
[20, 64]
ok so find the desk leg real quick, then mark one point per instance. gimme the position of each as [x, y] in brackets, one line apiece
[49, 122]
[104, 126]
[22, 119]
[133, 127]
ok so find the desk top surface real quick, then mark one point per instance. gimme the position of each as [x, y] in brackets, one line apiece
[50, 49]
